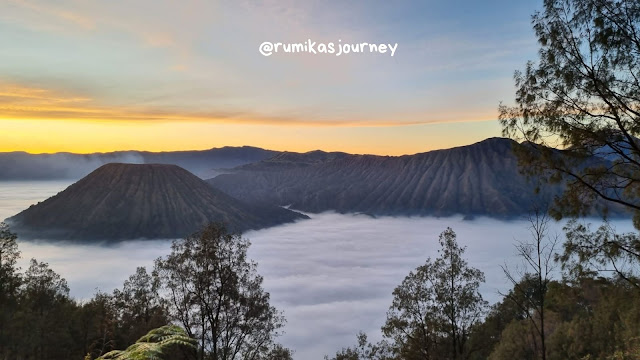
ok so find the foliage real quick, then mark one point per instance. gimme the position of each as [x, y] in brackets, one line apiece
[585, 317]
[139, 305]
[279, 352]
[154, 345]
[457, 293]
[96, 322]
[39, 320]
[487, 334]
[364, 350]
[582, 96]
[591, 319]
[529, 295]
[207, 282]
[44, 301]
[9, 253]
[436, 308]
[578, 114]
[9, 283]
[216, 294]
[433, 312]
[604, 251]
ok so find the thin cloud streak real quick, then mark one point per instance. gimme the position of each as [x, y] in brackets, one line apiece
[161, 62]
[20, 102]
[68, 16]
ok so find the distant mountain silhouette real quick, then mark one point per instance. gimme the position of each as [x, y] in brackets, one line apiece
[205, 163]
[478, 179]
[126, 201]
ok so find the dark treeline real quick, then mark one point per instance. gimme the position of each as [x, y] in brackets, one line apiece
[39, 320]
[438, 313]
[206, 286]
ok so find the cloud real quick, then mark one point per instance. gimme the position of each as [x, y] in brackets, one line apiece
[85, 266]
[58, 166]
[48, 10]
[175, 47]
[23, 102]
[332, 275]
[198, 61]
[29, 96]
[159, 39]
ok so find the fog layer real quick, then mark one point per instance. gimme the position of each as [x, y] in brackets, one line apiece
[332, 275]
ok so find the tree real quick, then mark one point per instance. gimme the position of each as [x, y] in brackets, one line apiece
[214, 291]
[364, 350]
[589, 319]
[486, 335]
[414, 316]
[578, 112]
[517, 341]
[588, 254]
[9, 256]
[9, 284]
[436, 306]
[139, 306]
[45, 307]
[279, 352]
[530, 293]
[582, 96]
[95, 325]
[457, 289]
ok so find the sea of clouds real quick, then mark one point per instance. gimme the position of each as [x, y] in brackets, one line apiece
[332, 275]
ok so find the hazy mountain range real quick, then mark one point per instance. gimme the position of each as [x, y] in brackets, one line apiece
[206, 163]
[119, 201]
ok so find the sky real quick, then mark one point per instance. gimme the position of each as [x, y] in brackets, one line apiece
[96, 76]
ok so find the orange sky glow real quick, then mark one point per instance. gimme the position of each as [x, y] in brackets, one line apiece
[88, 77]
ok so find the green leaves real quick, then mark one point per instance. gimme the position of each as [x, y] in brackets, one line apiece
[215, 293]
[582, 98]
[435, 307]
[154, 345]
[588, 253]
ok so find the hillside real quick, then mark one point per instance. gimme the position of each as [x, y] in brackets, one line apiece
[126, 201]
[478, 179]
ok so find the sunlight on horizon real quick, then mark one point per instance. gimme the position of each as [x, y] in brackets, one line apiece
[48, 136]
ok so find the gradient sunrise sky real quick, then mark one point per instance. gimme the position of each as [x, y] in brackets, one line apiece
[87, 76]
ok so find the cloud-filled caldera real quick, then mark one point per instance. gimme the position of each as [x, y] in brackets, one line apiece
[332, 275]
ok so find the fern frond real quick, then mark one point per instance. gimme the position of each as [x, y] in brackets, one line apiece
[152, 345]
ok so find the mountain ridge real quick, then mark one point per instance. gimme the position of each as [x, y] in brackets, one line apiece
[132, 201]
[477, 179]
[20, 165]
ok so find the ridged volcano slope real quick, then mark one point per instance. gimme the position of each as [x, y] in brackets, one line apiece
[126, 201]
[478, 179]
